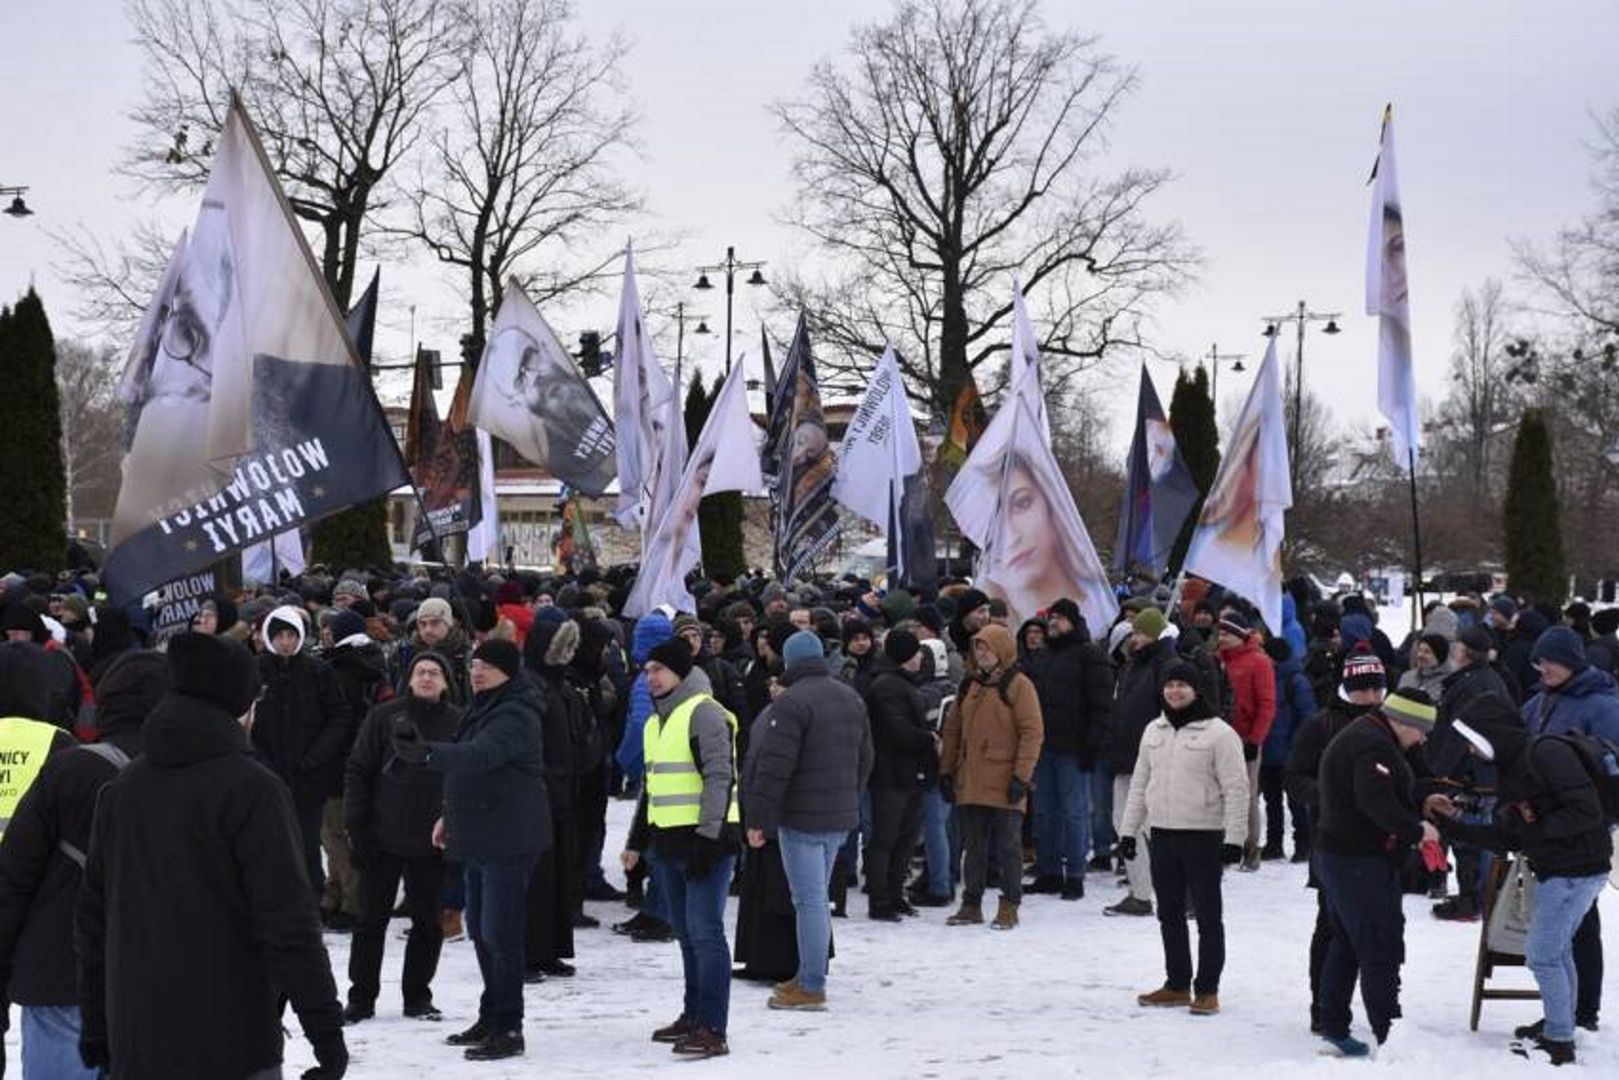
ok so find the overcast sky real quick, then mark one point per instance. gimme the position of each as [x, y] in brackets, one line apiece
[1267, 113]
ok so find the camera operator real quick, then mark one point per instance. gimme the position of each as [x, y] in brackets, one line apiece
[1549, 808]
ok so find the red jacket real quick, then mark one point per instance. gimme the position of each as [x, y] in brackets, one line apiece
[1253, 684]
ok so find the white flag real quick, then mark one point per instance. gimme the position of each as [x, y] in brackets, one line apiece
[879, 448]
[483, 539]
[260, 566]
[1386, 298]
[1035, 548]
[1238, 540]
[644, 402]
[529, 392]
[726, 458]
[1026, 355]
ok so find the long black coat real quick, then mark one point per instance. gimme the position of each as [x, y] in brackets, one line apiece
[385, 802]
[196, 918]
[495, 804]
[1075, 683]
[1137, 704]
[303, 724]
[904, 755]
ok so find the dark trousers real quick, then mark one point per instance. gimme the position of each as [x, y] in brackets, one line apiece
[379, 884]
[896, 826]
[592, 825]
[309, 806]
[555, 890]
[495, 913]
[1320, 941]
[1273, 789]
[1185, 861]
[983, 828]
[1368, 940]
[1588, 968]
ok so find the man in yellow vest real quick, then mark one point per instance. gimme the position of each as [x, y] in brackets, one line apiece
[25, 739]
[689, 822]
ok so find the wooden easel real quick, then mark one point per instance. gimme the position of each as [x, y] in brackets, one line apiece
[1488, 959]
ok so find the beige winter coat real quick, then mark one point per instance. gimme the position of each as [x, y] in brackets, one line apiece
[1194, 778]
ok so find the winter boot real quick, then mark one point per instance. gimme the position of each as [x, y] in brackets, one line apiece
[449, 922]
[1129, 906]
[1165, 998]
[498, 1046]
[702, 1043]
[1005, 915]
[1271, 852]
[840, 893]
[1045, 883]
[673, 1033]
[970, 913]
[472, 1036]
[794, 998]
[1346, 1046]
[1205, 1005]
[1073, 889]
[1544, 1049]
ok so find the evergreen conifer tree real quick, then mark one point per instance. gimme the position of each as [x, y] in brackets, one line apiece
[32, 528]
[1536, 567]
[1191, 418]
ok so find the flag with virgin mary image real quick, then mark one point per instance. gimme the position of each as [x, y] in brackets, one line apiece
[1238, 539]
[1387, 298]
[1034, 547]
[530, 393]
[248, 411]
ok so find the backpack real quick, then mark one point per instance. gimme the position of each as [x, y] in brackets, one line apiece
[118, 760]
[1601, 761]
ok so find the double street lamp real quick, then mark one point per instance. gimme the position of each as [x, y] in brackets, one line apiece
[729, 267]
[1273, 326]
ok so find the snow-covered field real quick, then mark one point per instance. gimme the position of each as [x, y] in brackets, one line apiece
[1056, 997]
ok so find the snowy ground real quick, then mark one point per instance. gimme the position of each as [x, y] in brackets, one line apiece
[1056, 997]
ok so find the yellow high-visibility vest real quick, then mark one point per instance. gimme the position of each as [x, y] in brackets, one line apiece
[674, 787]
[24, 745]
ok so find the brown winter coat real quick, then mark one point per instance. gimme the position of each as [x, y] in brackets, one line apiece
[988, 739]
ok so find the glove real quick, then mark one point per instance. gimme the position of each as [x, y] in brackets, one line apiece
[407, 742]
[1127, 848]
[95, 1053]
[947, 787]
[1250, 751]
[331, 1053]
[1016, 791]
[1231, 854]
[705, 856]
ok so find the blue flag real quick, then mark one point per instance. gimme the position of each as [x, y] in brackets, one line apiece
[1160, 492]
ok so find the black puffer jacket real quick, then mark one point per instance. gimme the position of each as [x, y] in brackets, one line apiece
[904, 753]
[1075, 683]
[39, 881]
[1136, 703]
[816, 755]
[1369, 798]
[362, 676]
[196, 885]
[302, 724]
[495, 803]
[386, 804]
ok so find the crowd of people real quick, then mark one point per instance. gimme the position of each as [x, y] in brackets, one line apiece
[193, 807]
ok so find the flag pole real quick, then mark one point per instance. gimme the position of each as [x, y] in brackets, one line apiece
[1416, 540]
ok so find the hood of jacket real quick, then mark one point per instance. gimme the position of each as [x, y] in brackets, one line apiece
[651, 630]
[696, 682]
[131, 687]
[1586, 683]
[185, 730]
[1000, 641]
[363, 661]
[286, 613]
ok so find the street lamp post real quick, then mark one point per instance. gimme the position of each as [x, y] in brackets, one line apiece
[18, 208]
[1300, 317]
[730, 266]
[1214, 357]
[701, 330]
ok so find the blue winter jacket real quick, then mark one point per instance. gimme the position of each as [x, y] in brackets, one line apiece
[1587, 703]
[651, 630]
[1292, 630]
[1295, 702]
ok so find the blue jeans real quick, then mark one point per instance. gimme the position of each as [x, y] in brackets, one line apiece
[496, 908]
[807, 858]
[696, 909]
[1062, 816]
[1102, 834]
[50, 1044]
[1560, 907]
[941, 853]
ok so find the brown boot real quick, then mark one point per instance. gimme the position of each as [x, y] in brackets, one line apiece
[1205, 1005]
[970, 913]
[1165, 998]
[449, 921]
[1005, 915]
[795, 998]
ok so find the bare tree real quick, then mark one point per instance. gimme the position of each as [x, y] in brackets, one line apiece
[959, 147]
[338, 89]
[526, 164]
[1482, 399]
[114, 281]
[92, 428]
